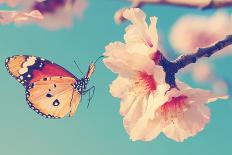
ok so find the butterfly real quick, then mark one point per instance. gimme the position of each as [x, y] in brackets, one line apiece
[51, 90]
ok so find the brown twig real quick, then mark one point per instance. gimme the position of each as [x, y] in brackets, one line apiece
[172, 67]
[204, 4]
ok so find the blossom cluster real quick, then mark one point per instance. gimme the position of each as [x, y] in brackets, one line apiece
[51, 14]
[147, 107]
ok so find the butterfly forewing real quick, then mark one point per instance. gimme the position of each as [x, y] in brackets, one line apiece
[28, 69]
[53, 97]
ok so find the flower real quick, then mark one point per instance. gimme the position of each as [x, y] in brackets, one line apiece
[146, 106]
[200, 32]
[132, 60]
[7, 17]
[181, 114]
[14, 3]
[56, 13]
[140, 44]
[59, 13]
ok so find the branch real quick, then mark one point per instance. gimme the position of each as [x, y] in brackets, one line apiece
[172, 67]
[199, 4]
[203, 4]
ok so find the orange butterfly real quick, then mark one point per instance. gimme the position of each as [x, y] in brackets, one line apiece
[51, 90]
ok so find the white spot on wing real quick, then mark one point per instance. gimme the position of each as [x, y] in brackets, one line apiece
[29, 62]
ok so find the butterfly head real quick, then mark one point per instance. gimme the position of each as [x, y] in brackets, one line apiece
[81, 85]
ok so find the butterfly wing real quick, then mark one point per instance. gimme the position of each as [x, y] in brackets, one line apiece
[28, 69]
[53, 97]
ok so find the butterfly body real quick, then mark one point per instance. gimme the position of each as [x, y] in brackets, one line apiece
[51, 90]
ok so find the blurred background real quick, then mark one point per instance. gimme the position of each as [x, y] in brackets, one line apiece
[98, 130]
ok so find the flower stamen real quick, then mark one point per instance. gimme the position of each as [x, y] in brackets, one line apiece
[146, 81]
[173, 108]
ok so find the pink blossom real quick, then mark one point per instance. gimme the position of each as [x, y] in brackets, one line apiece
[7, 17]
[179, 115]
[146, 108]
[13, 3]
[141, 43]
[56, 13]
[200, 31]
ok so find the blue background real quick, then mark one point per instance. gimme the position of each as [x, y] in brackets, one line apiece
[99, 129]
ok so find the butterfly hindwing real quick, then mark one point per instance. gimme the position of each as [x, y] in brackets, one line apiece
[28, 69]
[53, 97]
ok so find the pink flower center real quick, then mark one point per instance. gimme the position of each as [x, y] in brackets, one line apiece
[146, 81]
[173, 108]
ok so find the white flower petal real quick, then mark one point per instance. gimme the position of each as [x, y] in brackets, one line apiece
[139, 37]
[135, 112]
[127, 64]
[147, 126]
[126, 103]
[192, 122]
[139, 29]
[146, 130]
[173, 131]
[203, 95]
[153, 32]
[119, 87]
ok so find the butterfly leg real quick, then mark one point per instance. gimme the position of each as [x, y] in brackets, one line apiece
[91, 96]
[89, 92]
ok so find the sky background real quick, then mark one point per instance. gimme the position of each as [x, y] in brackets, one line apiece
[97, 130]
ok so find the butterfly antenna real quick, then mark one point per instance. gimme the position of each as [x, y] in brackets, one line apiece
[78, 67]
